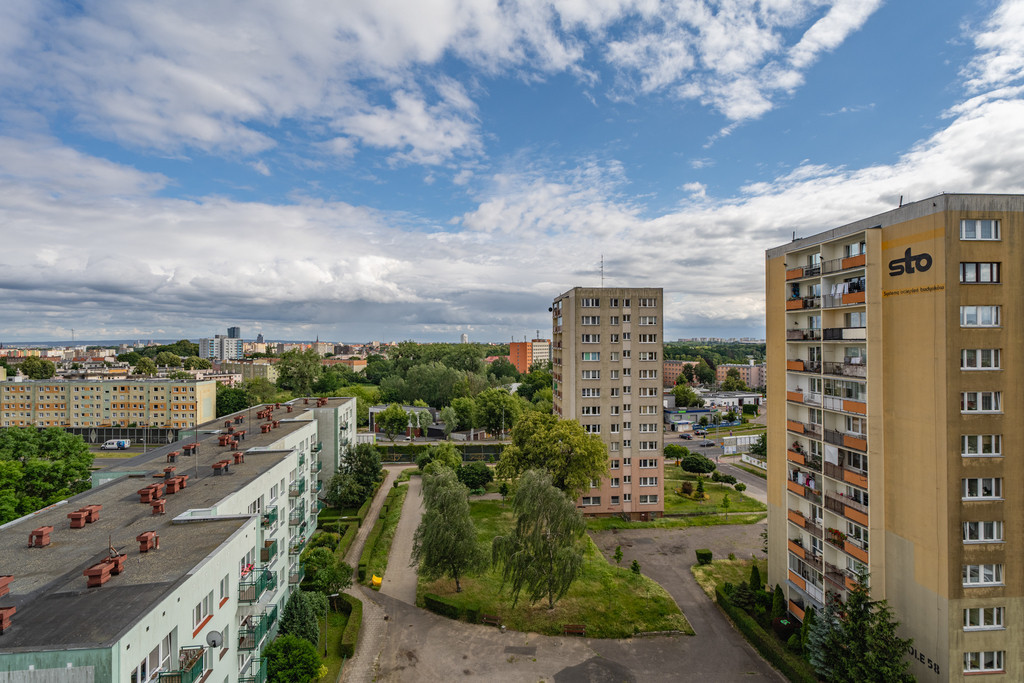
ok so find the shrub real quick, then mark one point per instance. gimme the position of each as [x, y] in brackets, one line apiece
[778, 603]
[755, 578]
[439, 605]
[326, 540]
[732, 557]
[687, 488]
[473, 614]
[726, 478]
[785, 628]
[697, 464]
[742, 597]
[716, 476]
[364, 510]
[353, 606]
[740, 486]
[423, 459]
[793, 644]
[475, 475]
[704, 556]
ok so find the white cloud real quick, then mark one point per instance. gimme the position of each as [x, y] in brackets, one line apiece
[1001, 58]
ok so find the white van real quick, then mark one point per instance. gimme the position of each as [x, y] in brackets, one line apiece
[115, 445]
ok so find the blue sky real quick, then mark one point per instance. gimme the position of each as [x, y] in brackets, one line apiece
[394, 170]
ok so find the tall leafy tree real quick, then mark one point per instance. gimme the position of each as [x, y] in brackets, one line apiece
[230, 400]
[543, 554]
[705, 373]
[291, 659]
[197, 363]
[733, 381]
[561, 447]
[497, 410]
[145, 366]
[393, 420]
[298, 371]
[39, 468]
[37, 368]
[450, 419]
[326, 573]
[465, 408]
[167, 359]
[299, 619]
[445, 540]
[362, 461]
[538, 378]
[686, 397]
[260, 390]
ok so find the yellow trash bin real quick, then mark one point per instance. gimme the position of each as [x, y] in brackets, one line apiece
[377, 580]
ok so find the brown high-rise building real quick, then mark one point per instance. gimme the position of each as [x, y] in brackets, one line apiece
[893, 447]
[606, 349]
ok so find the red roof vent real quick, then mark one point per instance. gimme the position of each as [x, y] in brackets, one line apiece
[40, 538]
[148, 540]
[5, 584]
[5, 617]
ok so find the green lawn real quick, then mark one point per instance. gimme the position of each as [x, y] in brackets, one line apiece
[675, 503]
[336, 622]
[606, 523]
[756, 471]
[378, 561]
[408, 472]
[720, 571]
[610, 601]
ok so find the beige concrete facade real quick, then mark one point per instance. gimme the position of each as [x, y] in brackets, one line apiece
[117, 402]
[894, 344]
[249, 369]
[606, 353]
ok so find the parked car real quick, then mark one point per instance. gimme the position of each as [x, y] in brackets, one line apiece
[116, 445]
[705, 444]
[688, 437]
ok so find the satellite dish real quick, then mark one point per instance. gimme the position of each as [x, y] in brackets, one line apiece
[214, 639]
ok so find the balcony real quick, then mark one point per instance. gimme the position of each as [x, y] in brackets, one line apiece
[302, 459]
[857, 442]
[805, 271]
[845, 334]
[837, 264]
[320, 444]
[257, 672]
[296, 517]
[803, 334]
[850, 509]
[319, 485]
[804, 492]
[297, 545]
[802, 303]
[847, 475]
[844, 580]
[297, 488]
[317, 466]
[260, 581]
[809, 525]
[268, 552]
[840, 300]
[296, 575]
[253, 632]
[270, 517]
[807, 428]
[857, 370]
[190, 666]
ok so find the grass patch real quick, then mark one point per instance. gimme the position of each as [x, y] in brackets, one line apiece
[407, 474]
[377, 561]
[715, 492]
[611, 601]
[719, 571]
[606, 523]
[336, 622]
[756, 471]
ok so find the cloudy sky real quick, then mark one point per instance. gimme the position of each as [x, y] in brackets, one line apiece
[416, 169]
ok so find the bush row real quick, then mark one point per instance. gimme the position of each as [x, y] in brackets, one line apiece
[766, 643]
[439, 605]
[353, 607]
[409, 452]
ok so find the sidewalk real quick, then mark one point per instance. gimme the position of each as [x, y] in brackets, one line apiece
[401, 577]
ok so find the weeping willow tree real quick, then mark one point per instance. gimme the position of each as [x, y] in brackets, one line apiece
[445, 540]
[543, 555]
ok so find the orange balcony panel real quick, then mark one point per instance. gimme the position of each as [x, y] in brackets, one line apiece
[858, 407]
[853, 298]
[794, 273]
[850, 583]
[793, 456]
[797, 612]
[795, 517]
[855, 479]
[793, 426]
[797, 396]
[856, 551]
[797, 365]
[798, 580]
[854, 261]
[854, 442]
[797, 550]
[794, 304]
[794, 487]
[856, 516]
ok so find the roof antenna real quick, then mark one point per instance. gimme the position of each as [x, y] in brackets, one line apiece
[901, 201]
[602, 271]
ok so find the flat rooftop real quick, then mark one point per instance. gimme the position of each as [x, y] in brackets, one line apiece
[56, 610]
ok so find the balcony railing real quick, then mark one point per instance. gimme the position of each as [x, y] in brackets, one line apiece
[270, 516]
[847, 474]
[845, 334]
[803, 271]
[803, 334]
[855, 441]
[251, 636]
[839, 300]
[297, 545]
[837, 264]
[302, 459]
[799, 303]
[807, 428]
[295, 576]
[257, 672]
[296, 517]
[190, 666]
[297, 488]
[260, 581]
[804, 492]
[268, 552]
[317, 466]
[846, 369]
[320, 444]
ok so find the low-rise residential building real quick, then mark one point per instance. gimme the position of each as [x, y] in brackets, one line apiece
[753, 375]
[672, 368]
[262, 368]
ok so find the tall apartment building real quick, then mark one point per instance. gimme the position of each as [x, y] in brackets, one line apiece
[113, 402]
[200, 573]
[606, 349]
[221, 347]
[893, 347]
[753, 375]
[234, 333]
[524, 354]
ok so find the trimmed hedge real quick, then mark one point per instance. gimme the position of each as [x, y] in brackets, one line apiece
[374, 535]
[794, 668]
[704, 556]
[348, 534]
[352, 606]
[439, 605]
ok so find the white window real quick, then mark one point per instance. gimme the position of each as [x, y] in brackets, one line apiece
[614, 481]
[591, 355]
[590, 339]
[590, 393]
[990, 660]
[627, 497]
[625, 354]
[857, 534]
[648, 445]
[613, 356]
[627, 479]
[648, 374]
[979, 272]
[613, 447]
[591, 320]
[614, 303]
[980, 402]
[627, 372]
[615, 392]
[650, 500]
[590, 410]
[979, 316]
[979, 229]
[627, 425]
[615, 428]
[647, 303]
[613, 464]
[648, 463]
[615, 500]
[983, 532]
[591, 374]
[202, 610]
[648, 391]
[647, 355]
[648, 338]
[591, 500]
[625, 317]
[225, 587]
[983, 618]
[979, 359]
[627, 407]
[590, 303]
[648, 427]
[648, 410]
[592, 429]
[613, 410]
[614, 375]
[981, 488]
[981, 445]
[613, 320]
[648, 320]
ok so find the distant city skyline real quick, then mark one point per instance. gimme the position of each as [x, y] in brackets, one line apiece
[421, 171]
